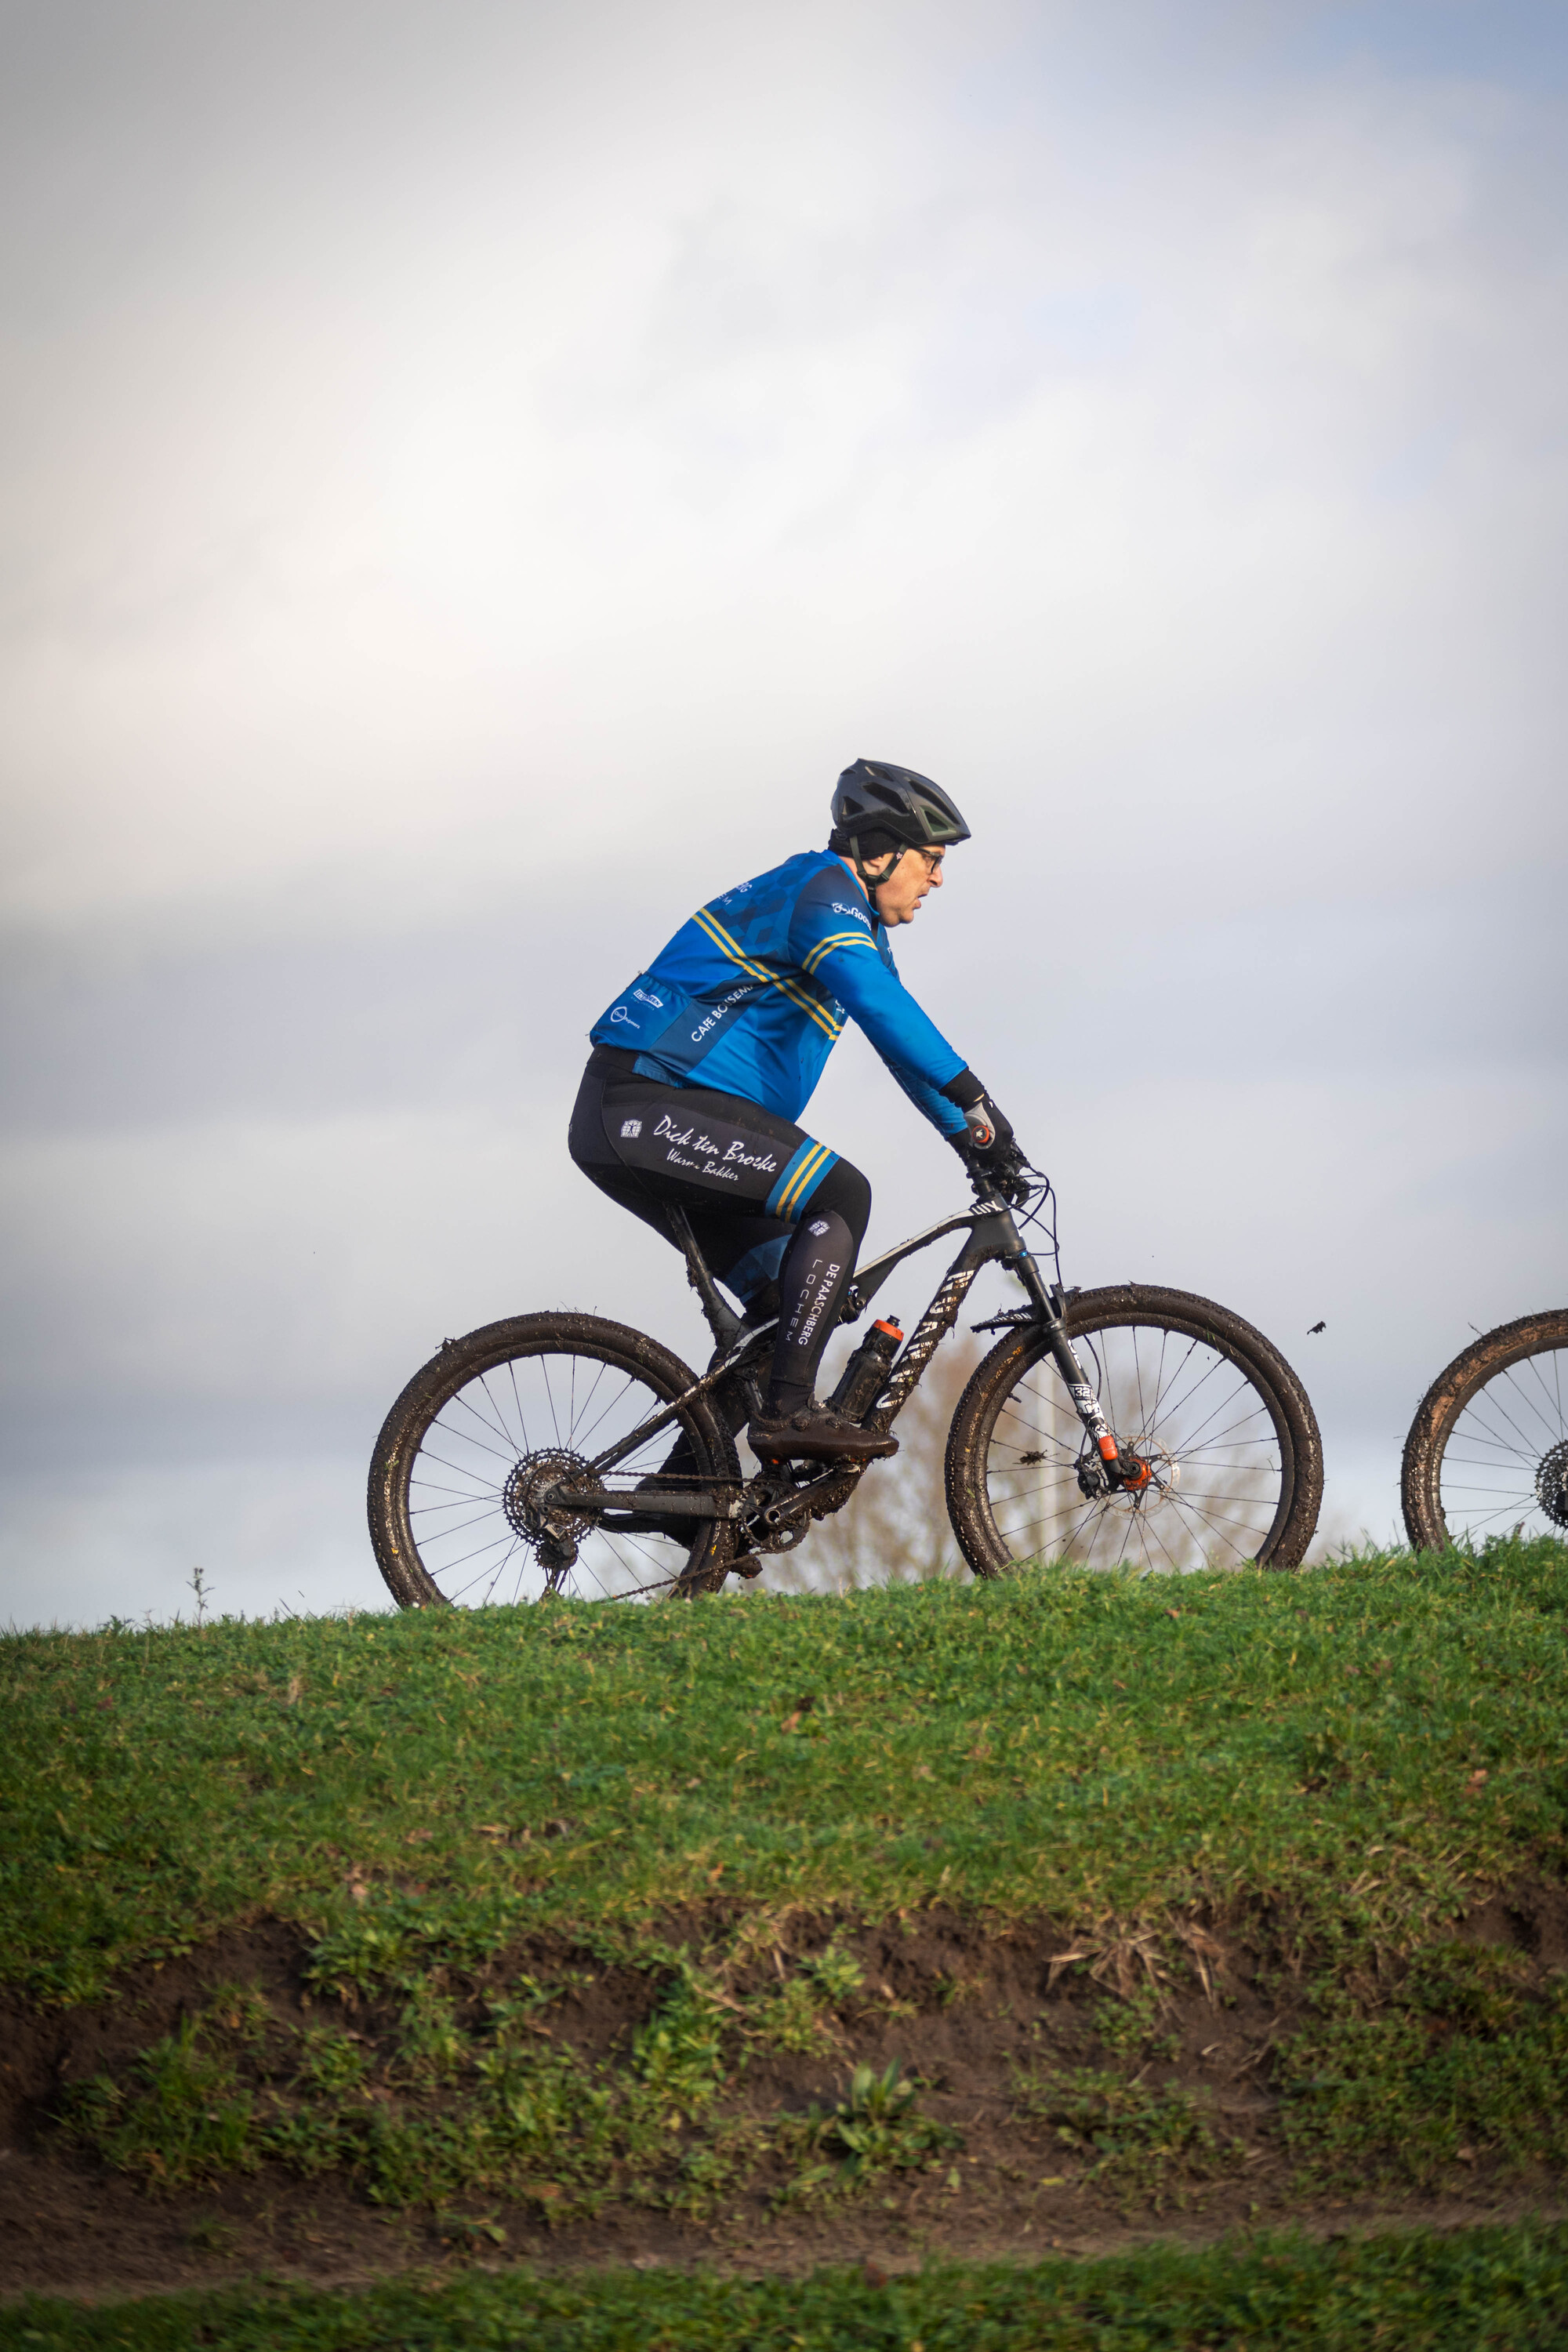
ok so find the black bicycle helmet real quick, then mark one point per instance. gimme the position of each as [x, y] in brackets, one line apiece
[873, 797]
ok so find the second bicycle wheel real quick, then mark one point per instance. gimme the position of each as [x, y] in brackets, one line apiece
[1235, 1462]
[462, 1478]
[1488, 1450]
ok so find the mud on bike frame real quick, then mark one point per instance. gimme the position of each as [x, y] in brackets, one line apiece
[775, 1501]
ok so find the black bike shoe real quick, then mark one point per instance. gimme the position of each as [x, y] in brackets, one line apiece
[816, 1433]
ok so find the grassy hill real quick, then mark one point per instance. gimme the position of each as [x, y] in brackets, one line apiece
[989, 1917]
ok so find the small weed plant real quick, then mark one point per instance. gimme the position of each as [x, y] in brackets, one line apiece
[876, 2128]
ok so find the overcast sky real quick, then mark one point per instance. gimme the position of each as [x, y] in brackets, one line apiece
[474, 473]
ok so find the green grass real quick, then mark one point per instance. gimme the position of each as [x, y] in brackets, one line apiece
[1328, 1767]
[1355, 1748]
[1504, 2288]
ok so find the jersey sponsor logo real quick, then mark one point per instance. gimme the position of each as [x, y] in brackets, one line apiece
[855, 914]
[819, 1228]
[723, 1160]
[620, 1013]
[647, 996]
[710, 1019]
[631, 1126]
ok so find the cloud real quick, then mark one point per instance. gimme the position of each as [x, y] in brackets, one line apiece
[474, 477]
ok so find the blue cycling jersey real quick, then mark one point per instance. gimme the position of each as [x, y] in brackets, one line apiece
[750, 996]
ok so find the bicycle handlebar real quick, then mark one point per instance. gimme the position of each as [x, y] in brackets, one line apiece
[1010, 1190]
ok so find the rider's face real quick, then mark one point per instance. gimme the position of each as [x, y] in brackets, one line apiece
[902, 881]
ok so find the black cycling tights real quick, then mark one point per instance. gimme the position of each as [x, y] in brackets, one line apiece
[723, 1159]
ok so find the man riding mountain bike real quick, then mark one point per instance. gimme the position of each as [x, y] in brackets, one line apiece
[701, 1067]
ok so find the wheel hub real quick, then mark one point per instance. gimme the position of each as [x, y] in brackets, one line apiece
[527, 1502]
[1551, 1484]
[1144, 1472]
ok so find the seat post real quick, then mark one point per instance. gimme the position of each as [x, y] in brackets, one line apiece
[722, 1320]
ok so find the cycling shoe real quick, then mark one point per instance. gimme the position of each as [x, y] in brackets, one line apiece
[816, 1433]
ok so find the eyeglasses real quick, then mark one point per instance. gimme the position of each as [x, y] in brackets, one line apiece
[934, 858]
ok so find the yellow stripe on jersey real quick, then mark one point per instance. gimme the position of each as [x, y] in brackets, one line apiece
[721, 938]
[838, 940]
[727, 945]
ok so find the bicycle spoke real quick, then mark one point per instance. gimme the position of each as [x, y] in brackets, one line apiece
[1208, 1519]
[466, 1437]
[1533, 1364]
[1489, 1465]
[1194, 1411]
[582, 1438]
[1524, 1451]
[480, 1489]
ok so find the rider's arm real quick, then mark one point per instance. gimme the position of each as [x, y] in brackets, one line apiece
[931, 1101]
[835, 945]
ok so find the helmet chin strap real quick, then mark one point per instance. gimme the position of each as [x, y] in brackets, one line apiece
[872, 883]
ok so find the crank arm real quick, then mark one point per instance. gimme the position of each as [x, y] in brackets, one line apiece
[788, 1508]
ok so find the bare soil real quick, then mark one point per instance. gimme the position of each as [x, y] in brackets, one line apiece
[953, 1999]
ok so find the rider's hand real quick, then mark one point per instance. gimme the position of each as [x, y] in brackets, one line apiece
[987, 1146]
[988, 1129]
[1001, 1166]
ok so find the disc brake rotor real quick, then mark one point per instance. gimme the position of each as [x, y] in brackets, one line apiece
[1157, 1473]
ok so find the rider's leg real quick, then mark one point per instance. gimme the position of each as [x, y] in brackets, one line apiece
[761, 1195]
[746, 1178]
[812, 1282]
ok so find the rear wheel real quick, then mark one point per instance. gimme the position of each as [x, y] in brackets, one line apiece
[1488, 1450]
[1234, 1462]
[460, 1499]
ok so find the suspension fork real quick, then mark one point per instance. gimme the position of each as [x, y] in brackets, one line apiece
[1051, 1306]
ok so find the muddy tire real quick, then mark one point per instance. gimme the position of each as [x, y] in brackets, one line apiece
[485, 1423]
[1235, 1458]
[1487, 1449]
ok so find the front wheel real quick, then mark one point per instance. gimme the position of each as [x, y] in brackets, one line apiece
[1488, 1450]
[461, 1496]
[1234, 1460]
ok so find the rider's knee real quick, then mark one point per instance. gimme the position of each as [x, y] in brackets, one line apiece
[843, 1193]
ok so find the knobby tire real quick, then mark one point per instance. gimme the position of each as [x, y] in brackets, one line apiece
[1492, 1467]
[1265, 1396]
[492, 1355]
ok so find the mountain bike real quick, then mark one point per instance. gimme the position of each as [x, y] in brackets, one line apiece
[1126, 1427]
[1487, 1449]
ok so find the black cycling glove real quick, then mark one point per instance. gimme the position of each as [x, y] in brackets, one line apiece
[987, 1126]
[986, 1146]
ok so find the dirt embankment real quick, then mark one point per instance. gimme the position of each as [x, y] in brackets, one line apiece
[978, 2015]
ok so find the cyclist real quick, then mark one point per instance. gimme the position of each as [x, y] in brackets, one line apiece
[703, 1064]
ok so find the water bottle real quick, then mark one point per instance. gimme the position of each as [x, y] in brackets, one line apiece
[867, 1369]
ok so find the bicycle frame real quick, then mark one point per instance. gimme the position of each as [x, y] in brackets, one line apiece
[991, 1235]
